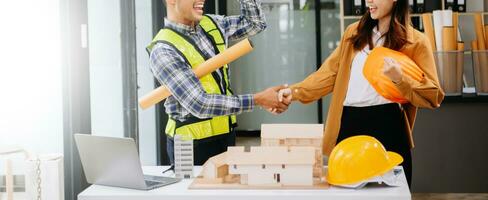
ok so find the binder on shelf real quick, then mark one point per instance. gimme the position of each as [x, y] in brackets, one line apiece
[348, 9]
[449, 4]
[358, 7]
[419, 6]
[416, 23]
[411, 6]
[460, 5]
[431, 5]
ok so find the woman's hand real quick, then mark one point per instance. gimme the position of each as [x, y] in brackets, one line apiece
[392, 70]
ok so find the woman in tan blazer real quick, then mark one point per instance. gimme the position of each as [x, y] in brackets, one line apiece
[356, 108]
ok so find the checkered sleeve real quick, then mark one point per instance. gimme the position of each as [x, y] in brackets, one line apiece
[250, 22]
[171, 70]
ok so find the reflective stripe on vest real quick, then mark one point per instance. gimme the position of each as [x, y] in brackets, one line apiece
[198, 128]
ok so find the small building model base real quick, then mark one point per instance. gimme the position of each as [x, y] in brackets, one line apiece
[200, 183]
[289, 163]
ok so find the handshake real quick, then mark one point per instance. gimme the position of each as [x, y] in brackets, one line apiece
[274, 99]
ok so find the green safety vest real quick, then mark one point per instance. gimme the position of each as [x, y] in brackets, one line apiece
[194, 127]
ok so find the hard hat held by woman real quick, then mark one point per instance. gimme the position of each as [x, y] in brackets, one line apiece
[384, 68]
[359, 160]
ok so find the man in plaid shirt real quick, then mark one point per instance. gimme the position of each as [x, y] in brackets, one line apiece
[189, 99]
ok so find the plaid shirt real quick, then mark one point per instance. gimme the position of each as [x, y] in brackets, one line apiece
[189, 98]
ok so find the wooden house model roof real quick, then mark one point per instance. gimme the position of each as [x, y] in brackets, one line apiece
[292, 131]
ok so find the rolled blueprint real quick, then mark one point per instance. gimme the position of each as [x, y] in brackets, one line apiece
[238, 50]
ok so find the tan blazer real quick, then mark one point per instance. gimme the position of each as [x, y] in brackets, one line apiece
[333, 76]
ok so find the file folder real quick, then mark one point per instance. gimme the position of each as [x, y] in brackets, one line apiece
[461, 5]
[419, 6]
[358, 7]
[431, 5]
[449, 4]
[348, 10]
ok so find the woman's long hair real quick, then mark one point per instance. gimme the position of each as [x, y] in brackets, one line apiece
[395, 38]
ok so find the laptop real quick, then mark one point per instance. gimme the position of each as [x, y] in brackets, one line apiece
[114, 162]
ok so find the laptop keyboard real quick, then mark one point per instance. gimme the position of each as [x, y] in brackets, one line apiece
[151, 183]
[158, 180]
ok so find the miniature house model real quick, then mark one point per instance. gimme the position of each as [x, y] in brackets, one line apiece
[262, 166]
[289, 155]
[290, 135]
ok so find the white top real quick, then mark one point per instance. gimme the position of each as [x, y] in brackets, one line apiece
[180, 191]
[359, 92]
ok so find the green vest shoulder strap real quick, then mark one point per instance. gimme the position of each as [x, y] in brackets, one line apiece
[212, 30]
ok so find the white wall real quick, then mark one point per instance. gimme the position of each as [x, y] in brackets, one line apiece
[284, 53]
[105, 68]
[145, 81]
[30, 76]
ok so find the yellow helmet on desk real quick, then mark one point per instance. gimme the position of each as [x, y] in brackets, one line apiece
[373, 72]
[358, 159]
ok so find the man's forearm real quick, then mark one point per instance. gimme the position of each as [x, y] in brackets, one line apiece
[211, 105]
[250, 22]
[251, 9]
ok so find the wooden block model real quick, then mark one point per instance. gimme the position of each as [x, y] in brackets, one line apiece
[290, 157]
[290, 135]
[261, 166]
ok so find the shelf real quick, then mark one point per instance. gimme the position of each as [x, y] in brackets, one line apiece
[472, 13]
[415, 15]
[466, 98]
[359, 16]
[353, 17]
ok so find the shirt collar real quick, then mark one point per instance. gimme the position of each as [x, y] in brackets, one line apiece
[182, 28]
[376, 32]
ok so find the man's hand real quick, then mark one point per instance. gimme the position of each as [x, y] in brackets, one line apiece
[284, 95]
[392, 70]
[268, 99]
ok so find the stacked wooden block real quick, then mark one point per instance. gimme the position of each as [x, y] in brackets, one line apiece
[292, 135]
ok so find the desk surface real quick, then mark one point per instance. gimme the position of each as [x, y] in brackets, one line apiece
[180, 191]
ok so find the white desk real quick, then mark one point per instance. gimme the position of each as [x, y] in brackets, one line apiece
[179, 191]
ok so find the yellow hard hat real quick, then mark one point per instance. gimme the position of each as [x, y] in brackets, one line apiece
[373, 72]
[358, 159]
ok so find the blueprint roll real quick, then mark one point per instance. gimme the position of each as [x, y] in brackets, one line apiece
[449, 58]
[455, 24]
[429, 29]
[437, 15]
[474, 45]
[233, 53]
[448, 38]
[480, 36]
[447, 17]
[486, 35]
[482, 59]
[460, 66]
